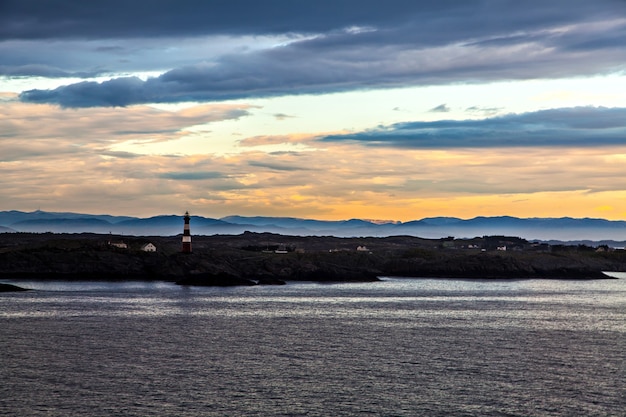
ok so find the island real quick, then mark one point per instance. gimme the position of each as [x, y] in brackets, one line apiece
[272, 259]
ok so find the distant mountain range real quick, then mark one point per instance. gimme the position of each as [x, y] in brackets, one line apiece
[563, 229]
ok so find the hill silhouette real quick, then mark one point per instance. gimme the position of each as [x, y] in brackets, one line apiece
[563, 229]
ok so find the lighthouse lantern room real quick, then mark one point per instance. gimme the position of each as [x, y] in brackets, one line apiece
[186, 235]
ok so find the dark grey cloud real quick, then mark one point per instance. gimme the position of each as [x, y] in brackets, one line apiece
[282, 116]
[484, 111]
[54, 19]
[578, 126]
[292, 69]
[352, 45]
[116, 92]
[275, 166]
[32, 19]
[36, 70]
[442, 108]
[120, 154]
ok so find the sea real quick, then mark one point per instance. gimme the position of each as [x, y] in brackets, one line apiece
[398, 347]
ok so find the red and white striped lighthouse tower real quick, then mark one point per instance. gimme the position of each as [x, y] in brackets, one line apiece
[186, 235]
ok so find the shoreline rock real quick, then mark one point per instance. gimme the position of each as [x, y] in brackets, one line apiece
[11, 288]
[270, 281]
[241, 260]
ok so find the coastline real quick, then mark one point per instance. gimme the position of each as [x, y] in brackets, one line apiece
[4, 287]
[244, 259]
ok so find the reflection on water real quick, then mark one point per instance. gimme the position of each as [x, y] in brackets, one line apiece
[396, 347]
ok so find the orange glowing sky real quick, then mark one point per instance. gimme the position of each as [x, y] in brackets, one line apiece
[372, 115]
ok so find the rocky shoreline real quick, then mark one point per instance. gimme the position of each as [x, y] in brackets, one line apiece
[11, 288]
[269, 259]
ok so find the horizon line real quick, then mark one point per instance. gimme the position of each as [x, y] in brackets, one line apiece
[368, 220]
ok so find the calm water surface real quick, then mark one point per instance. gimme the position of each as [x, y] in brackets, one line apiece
[401, 347]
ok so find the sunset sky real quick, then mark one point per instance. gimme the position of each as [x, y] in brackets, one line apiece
[394, 110]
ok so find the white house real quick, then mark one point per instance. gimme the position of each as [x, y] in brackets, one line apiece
[148, 247]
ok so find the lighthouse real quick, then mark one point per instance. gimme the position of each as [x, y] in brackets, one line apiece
[186, 235]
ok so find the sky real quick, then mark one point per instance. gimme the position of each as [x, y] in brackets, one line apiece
[331, 110]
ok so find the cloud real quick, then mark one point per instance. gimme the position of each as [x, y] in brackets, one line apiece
[40, 70]
[275, 166]
[442, 108]
[55, 19]
[30, 19]
[36, 132]
[118, 92]
[292, 70]
[120, 154]
[100, 145]
[402, 47]
[484, 111]
[264, 140]
[282, 116]
[578, 127]
[193, 175]
[29, 123]
[341, 180]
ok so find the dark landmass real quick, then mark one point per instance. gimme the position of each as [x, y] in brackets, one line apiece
[612, 233]
[271, 259]
[11, 288]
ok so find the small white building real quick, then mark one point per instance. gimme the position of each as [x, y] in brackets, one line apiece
[120, 245]
[362, 249]
[148, 247]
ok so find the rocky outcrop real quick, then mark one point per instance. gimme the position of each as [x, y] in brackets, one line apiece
[493, 265]
[11, 288]
[270, 281]
[234, 260]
